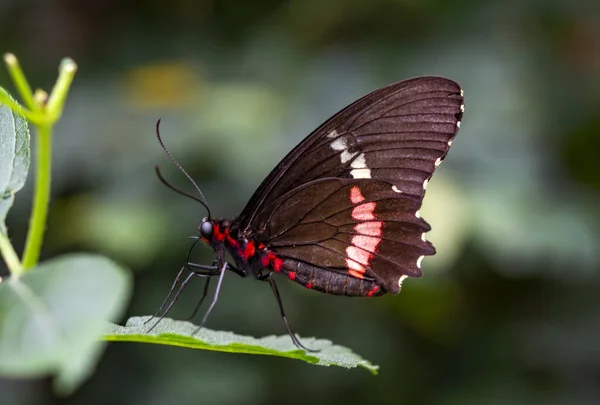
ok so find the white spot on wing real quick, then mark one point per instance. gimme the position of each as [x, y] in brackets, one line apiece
[339, 144]
[332, 134]
[361, 173]
[425, 184]
[462, 108]
[423, 237]
[418, 214]
[400, 280]
[396, 189]
[458, 124]
[360, 169]
[450, 142]
[438, 161]
[346, 156]
[419, 261]
[359, 162]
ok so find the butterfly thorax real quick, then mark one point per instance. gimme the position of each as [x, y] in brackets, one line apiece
[251, 257]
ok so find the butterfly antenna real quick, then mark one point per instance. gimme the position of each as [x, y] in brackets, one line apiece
[201, 200]
[166, 183]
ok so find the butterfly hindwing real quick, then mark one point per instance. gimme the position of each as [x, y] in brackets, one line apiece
[361, 227]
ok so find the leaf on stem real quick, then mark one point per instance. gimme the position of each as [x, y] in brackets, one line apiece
[14, 156]
[52, 316]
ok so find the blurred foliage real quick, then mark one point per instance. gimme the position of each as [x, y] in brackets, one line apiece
[507, 312]
[53, 315]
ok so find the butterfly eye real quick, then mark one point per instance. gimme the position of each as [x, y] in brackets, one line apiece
[206, 228]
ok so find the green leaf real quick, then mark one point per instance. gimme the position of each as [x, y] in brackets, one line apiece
[52, 316]
[14, 157]
[180, 333]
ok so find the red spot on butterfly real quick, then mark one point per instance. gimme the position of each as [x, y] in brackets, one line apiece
[309, 285]
[272, 260]
[356, 270]
[249, 250]
[356, 196]
[232, 242]
[373, 291]
[218, 235]
[372, 228]
[277, 263]
[292, 275]
[364, 212]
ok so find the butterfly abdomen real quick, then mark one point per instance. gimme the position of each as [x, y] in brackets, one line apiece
[250, 254]
[330, 281]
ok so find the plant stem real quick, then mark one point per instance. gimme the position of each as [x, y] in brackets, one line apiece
[59, 92]
[13, 105]
[10, 256]
[41, 198]
[19, 79]
[44, 112]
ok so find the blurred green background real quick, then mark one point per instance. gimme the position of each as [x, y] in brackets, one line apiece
[508, 311]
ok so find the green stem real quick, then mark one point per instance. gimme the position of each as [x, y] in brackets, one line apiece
[19, 79]
[13, 105]
[10, 256]
[44, 112]
[41, 198]
[59, 92]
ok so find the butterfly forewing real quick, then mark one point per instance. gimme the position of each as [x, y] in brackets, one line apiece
[346, 199]
[418, 115]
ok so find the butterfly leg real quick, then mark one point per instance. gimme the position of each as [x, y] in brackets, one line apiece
[167, 297]
[215, 298]
[189, 266]
[172, 290]
[195, 270]
[204, 291]
[204, 294]
[207, 283]
[166, 311]
[267, 277]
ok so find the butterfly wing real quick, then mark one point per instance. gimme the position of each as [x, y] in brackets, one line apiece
[346, 199]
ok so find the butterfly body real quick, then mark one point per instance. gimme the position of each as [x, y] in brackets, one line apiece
[255, 259]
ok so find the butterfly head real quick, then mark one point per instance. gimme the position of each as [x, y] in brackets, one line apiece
[215, 232]
[206, 229]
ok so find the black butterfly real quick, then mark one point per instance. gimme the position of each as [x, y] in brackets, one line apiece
[340, 213]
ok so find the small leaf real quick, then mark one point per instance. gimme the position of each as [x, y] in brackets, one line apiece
[52, 316]
[14, 157]
[180, 333]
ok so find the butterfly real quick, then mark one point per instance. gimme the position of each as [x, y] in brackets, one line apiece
[340, 213]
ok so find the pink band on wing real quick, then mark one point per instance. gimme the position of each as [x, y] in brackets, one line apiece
[356, 196]
[368, 234]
